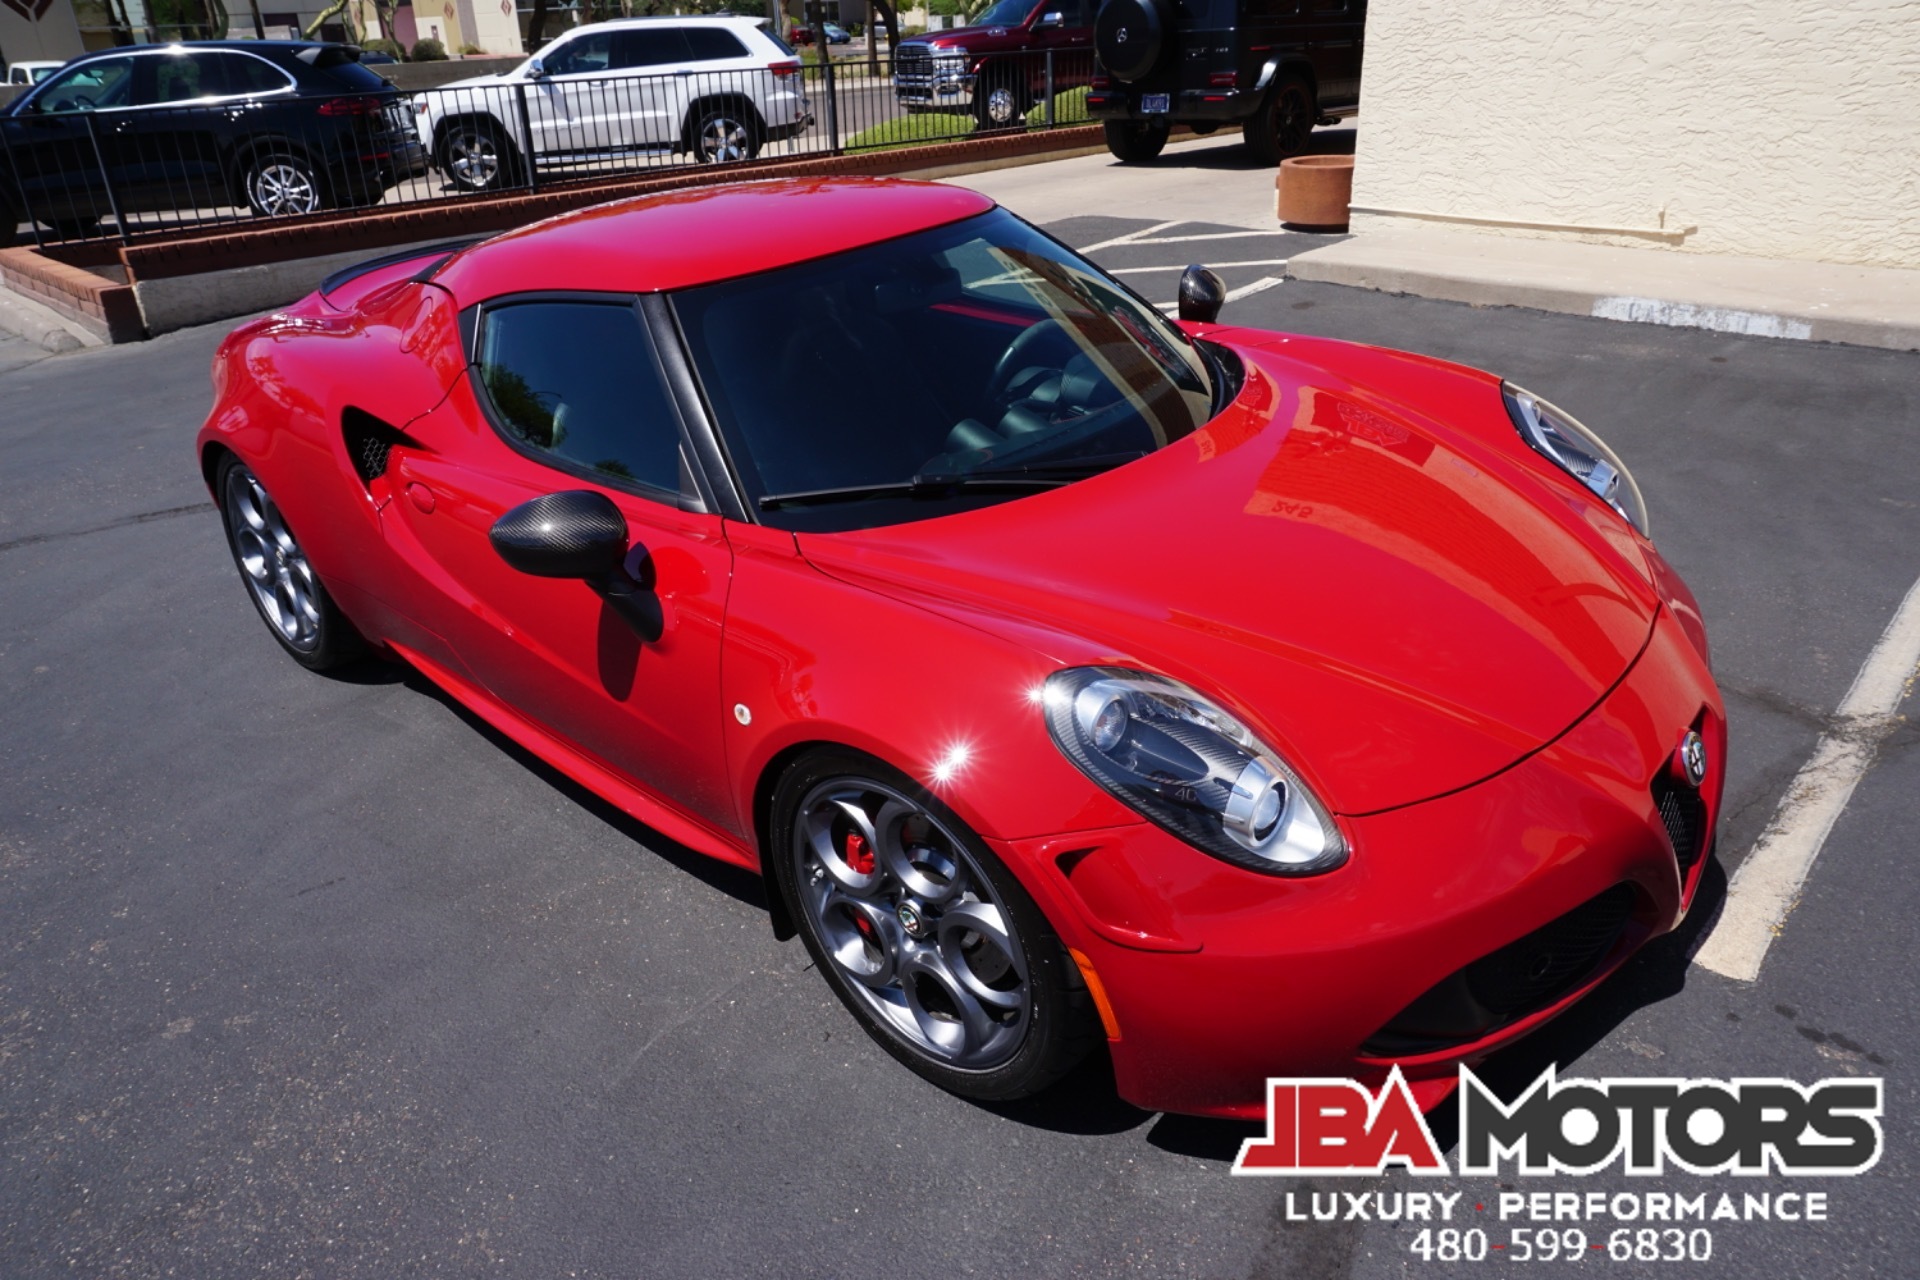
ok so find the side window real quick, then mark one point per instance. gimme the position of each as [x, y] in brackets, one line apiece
[650, 47]
[239, 73]
[576, 381]
[711, 44]
[179, 77]
[107, 83]
[576, 57]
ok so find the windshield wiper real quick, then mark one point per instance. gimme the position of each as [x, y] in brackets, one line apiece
[1033, 476]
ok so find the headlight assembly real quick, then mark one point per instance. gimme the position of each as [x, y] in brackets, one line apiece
[1192, 768]
[1579, 452]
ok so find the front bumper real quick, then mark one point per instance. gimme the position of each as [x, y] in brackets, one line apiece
[1219, 978]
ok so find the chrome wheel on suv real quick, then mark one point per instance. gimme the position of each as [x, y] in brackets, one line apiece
[724, 136]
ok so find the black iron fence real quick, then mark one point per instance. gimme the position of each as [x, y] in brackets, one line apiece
[78, 171]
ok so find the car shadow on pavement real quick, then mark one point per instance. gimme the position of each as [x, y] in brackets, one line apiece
[735, 882]
[1083, 1102]
[1237, 159]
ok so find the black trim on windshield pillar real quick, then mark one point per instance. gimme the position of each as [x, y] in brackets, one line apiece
[723, 489]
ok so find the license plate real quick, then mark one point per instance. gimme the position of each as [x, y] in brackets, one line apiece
[1154, 104]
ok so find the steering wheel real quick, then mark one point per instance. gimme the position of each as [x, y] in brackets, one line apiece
[1017, 355]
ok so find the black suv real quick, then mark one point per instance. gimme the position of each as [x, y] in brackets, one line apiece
[276, 126]
[1274, 67]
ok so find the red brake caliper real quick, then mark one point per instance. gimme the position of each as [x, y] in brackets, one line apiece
[859, 853]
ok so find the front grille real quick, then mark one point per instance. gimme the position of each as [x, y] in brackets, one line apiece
[1506, 985]
[1684, 814]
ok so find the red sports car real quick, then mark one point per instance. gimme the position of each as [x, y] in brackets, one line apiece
[1255, 704]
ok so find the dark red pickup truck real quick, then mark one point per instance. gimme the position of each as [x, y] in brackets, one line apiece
[1012, 58]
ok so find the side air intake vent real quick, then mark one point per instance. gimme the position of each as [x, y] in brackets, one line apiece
[369, 443]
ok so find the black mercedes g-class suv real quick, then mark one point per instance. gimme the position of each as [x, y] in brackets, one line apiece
[1276, 68]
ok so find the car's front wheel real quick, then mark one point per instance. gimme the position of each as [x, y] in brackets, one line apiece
[999, 103]
[281, 184]
[475, 156]
[280, 579]
[928, 940]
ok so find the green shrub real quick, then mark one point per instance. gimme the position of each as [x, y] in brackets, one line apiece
[389, 47]
[911, 131]
[429, 50]
[1068, 108]
[469, 50]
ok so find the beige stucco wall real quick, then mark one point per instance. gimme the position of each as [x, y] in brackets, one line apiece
[1779, 129]
[54, 34]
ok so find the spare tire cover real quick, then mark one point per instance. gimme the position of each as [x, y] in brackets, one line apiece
[1128, 35]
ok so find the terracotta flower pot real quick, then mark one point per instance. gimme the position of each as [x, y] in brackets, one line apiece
[1314, 192]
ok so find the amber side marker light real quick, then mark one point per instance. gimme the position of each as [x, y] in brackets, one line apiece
[1098, 991]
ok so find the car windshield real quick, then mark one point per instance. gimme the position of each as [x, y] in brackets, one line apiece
[935, 372]
[1007, 13]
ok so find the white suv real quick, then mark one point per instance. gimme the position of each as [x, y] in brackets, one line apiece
[714, 87]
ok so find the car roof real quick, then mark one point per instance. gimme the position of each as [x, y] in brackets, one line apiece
[671, 20]
[678, 239]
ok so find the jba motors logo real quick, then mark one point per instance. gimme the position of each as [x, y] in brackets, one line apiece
[1704, 1126]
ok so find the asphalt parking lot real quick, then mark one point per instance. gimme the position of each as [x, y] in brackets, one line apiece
[321, 977]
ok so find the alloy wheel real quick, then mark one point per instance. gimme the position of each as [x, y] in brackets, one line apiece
[275, 568]
[282, 186]
[473, 160]
[909, 920]
[1002, 106]
[724, 139]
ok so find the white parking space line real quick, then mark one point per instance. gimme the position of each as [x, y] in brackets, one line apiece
[1261, 285]
[1211, 235]
[1137, 271]
[1132, 237]
[1767, 885]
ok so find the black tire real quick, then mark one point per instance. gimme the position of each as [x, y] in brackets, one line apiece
[1136, 141]
[1284, 123]
[1056, 1024]
[475, 155]
[285, 590]
[1000, 101]
[75, 228]
[723, 133]
[281, 184]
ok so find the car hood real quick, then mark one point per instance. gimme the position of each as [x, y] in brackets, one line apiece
[1400, 607]
[471, 82]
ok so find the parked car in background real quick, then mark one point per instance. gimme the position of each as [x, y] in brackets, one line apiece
[998, 67]
[275, 126]
[1276, 68]
[835, 34]
[715, 88]
[29, 73]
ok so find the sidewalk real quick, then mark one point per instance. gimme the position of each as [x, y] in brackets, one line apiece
[1768, 297]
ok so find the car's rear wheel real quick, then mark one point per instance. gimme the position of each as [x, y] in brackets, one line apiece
[280, 580]
[725, 135]
[928, 940]
[1284, 122]
[1136, 141]
[475, 156]
[282, 184]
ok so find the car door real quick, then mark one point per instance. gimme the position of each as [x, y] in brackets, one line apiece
[59, 141]
[187, 103]
[566, 392]
[656, 82]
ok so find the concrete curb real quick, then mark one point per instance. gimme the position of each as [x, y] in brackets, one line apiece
[1757, 297]
[43, 326]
